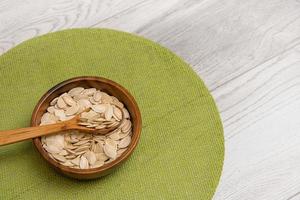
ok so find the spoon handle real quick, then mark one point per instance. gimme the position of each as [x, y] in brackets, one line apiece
[17, 135]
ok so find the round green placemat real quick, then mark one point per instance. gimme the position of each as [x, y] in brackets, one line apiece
[180, 154]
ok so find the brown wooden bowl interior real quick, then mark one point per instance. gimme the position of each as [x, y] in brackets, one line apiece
[104, 85]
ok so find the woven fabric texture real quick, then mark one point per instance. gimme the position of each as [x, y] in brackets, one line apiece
[181, 150]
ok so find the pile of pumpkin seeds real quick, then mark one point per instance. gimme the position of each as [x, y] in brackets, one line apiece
[82, 150]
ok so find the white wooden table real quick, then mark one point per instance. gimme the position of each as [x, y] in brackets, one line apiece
[247, 52]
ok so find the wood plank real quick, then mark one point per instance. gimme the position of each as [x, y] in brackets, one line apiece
[260, 114]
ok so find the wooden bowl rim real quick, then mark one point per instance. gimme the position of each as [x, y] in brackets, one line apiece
[119, 160]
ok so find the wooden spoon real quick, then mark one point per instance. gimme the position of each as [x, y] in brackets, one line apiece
[17, 135]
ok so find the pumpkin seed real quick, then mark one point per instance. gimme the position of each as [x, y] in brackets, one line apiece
[84, 163]
[72, 110]
[69, 100]
[61, 103]
[97, 96]
[54, 101]
[125, 142]
[75, 91]
[99, 108]
[98, 163]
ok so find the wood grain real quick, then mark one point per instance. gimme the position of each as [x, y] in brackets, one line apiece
[21, 134]
[247, 52]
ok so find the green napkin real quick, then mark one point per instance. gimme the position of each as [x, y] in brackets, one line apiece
[181, 151]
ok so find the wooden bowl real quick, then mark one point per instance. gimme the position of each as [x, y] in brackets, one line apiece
[104, 85]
